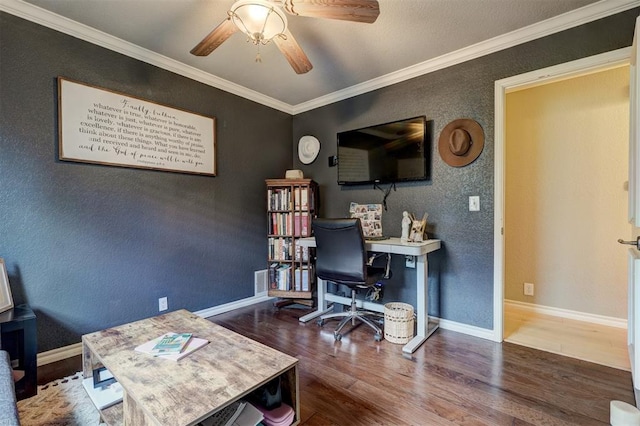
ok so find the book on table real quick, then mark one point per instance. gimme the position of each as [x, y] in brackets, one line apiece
[192, 344]
[171, 343]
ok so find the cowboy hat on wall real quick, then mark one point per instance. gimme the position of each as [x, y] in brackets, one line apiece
[461, 142]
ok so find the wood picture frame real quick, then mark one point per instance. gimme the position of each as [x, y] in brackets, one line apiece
[418, 227]
[102, 126]
[370, 216]
[6, 300]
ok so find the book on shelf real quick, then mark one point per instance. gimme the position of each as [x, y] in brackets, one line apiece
[239, 413]
[301, 224]
[302, 278]
[279, 198]
[281, 223]
[273, 277]
[249, 416]
[226, 416]
[279, 276]
[302, 254]
[301, 197]
[280, 249]
[284, 277]
[193, 344]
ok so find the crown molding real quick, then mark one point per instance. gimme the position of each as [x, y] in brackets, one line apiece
[550, 26]
[83, 32]
[568, 20]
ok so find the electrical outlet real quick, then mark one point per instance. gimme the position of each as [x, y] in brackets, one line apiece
[163, 304]
[528, 289]
[474, 203]
[410, 261]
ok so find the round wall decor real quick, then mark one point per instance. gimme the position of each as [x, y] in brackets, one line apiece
[308, 149]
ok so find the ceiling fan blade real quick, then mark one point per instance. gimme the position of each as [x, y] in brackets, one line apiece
[215, 38]
[293, 52]
[366, 11]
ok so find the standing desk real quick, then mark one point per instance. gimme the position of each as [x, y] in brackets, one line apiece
[394, 246]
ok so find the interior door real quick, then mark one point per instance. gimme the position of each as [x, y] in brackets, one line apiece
[633, 295]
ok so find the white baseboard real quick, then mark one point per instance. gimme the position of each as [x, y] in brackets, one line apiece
[69, 351]
[59, 354]
[227, 307]
[471, 330]
[565, 313]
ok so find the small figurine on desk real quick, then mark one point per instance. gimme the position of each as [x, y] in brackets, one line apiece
[406, 224]
[417, 229]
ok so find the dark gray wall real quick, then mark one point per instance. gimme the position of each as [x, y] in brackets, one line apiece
[91, 246]
[461, 273]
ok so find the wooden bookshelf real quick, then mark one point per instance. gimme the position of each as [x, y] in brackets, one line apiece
[291, 206]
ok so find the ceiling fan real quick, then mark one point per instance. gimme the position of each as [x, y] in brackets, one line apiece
[264, 20]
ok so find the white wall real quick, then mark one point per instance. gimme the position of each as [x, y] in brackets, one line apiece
[565, 197]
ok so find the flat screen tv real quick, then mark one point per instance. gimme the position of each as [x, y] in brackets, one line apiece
[385, 153]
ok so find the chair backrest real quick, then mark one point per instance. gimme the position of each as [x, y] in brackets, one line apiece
[340, 251]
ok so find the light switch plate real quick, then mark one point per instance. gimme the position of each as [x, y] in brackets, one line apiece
[474, 203]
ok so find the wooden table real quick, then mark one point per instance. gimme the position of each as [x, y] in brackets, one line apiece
[165, 392]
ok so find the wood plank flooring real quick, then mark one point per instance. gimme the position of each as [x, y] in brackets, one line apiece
[578, 339]
[452, 379]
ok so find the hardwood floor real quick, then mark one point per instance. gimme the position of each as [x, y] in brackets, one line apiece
[577, 339]
[58, 370]
[453, 379]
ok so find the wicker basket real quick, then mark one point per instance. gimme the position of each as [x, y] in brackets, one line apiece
[398, 322]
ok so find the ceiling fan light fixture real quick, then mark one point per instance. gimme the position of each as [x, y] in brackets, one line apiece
[258, 19]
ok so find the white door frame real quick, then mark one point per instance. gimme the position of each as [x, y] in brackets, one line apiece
[560, 72]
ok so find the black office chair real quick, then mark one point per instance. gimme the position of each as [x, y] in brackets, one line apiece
[341, 257]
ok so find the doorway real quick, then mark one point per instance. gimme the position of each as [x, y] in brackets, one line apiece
[547, 259]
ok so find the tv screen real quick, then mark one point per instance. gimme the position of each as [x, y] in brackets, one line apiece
[384, 153]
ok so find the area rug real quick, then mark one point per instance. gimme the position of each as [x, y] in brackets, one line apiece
[61, 402]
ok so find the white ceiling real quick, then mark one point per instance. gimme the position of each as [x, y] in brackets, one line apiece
[410, 37]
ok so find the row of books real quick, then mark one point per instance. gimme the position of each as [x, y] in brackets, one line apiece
[280, 278]
[282, 249]
[296, 223]
[283, 199]
[302, 278]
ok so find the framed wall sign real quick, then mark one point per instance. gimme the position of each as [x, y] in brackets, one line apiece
[6, 300]
[105, 127]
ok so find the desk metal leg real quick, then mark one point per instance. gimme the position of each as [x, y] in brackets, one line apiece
[422, 303]
[322, 303]
[423, 329]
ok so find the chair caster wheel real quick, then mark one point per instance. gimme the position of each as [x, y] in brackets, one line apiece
[338, 337]
[320, 323]
[377, 337]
